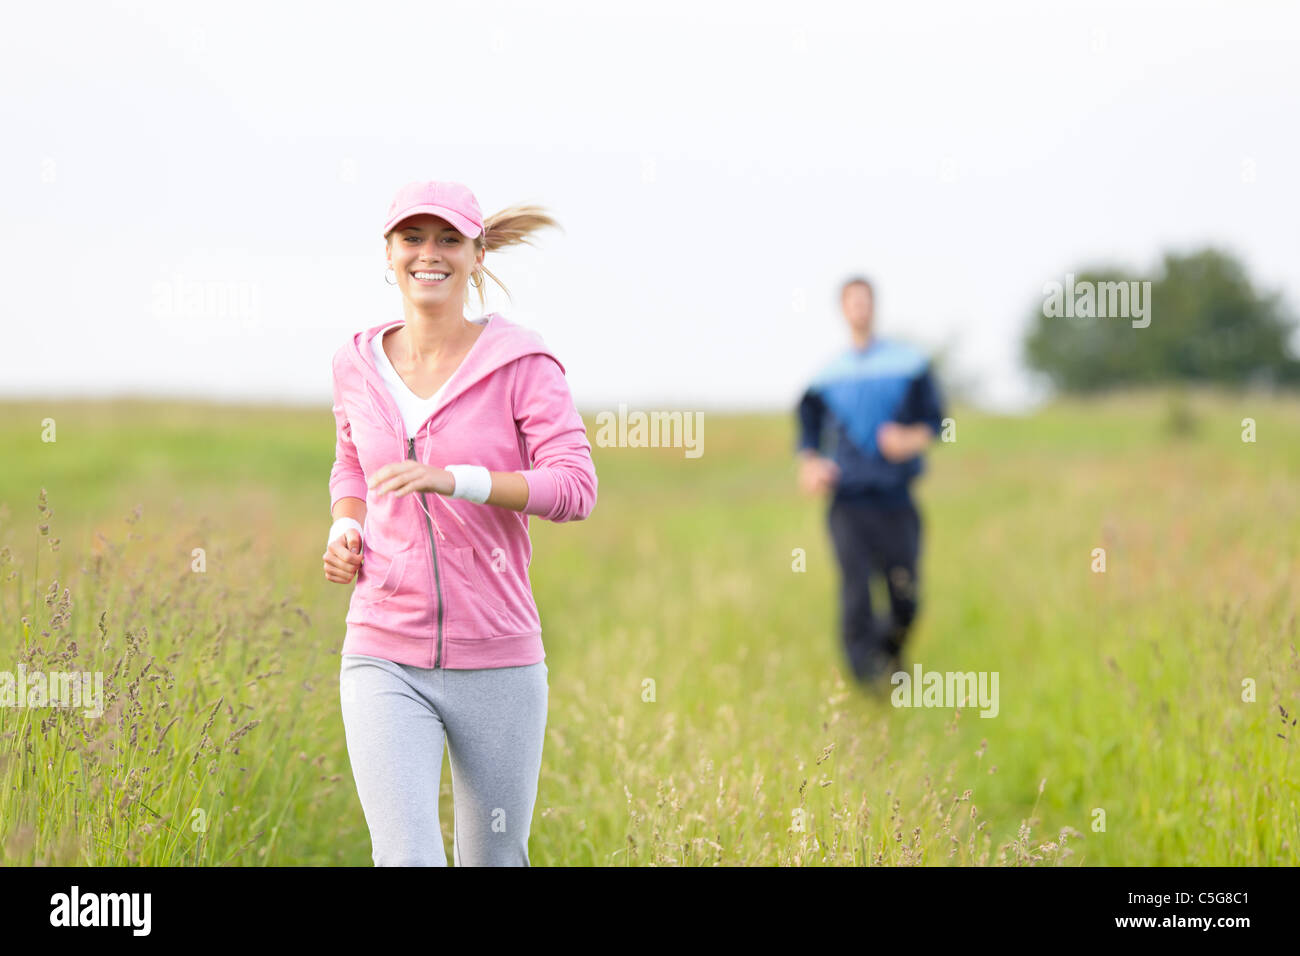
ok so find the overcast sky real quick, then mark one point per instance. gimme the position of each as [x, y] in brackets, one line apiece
[193, 195]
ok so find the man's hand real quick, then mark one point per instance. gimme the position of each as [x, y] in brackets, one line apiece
[898, 442]
[403, 477]
[817, 474]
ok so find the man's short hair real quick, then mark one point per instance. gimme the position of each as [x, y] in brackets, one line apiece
[857, 280]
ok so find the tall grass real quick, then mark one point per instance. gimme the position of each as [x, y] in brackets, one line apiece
[700, 713]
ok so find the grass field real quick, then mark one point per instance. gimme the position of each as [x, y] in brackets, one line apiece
[1120, 692]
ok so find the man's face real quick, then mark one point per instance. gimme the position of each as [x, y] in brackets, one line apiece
[858, 308]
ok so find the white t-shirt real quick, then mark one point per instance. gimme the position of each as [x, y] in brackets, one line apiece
[415, 410]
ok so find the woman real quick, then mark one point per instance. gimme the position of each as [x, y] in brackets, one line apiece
[472, 422]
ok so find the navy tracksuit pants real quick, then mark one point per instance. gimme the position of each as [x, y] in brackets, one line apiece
[875, 538]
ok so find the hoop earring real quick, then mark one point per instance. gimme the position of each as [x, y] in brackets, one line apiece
[480, 279]
[386, 271]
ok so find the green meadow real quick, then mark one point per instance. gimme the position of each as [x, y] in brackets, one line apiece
[700, 710]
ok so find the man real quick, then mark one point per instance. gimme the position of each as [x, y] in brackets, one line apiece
[878, 407]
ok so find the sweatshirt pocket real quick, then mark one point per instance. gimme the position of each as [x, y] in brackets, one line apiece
[481, 609]
[487, 583]
[379, 576]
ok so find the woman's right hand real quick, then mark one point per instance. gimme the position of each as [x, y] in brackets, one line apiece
[343, 557]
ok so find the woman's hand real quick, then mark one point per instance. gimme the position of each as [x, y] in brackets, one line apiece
[343, 557]
[403, 477]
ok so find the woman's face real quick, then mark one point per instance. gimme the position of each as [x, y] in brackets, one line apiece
[432, 247]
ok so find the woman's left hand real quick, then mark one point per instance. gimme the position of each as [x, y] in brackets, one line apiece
[402, 477]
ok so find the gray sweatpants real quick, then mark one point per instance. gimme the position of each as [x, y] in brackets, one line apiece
[395, 718]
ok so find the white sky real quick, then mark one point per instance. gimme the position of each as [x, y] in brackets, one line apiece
[718, 169]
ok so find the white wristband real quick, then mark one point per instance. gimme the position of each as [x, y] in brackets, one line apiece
[341, 525]
[473, 482]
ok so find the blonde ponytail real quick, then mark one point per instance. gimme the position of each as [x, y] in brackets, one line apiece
[511, 226]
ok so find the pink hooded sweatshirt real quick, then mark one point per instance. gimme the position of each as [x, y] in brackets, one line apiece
[451, 588]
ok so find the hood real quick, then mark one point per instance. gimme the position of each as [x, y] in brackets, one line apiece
[500, 343]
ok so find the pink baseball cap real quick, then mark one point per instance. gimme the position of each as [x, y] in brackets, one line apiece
[451, 201]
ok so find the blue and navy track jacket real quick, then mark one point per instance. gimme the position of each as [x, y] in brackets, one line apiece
[853, 395]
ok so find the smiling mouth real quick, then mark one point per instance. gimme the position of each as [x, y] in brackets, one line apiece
[430, 278]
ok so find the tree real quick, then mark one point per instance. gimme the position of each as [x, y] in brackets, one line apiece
[1206, 323]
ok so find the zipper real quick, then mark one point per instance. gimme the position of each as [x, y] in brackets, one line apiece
[433, 548]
